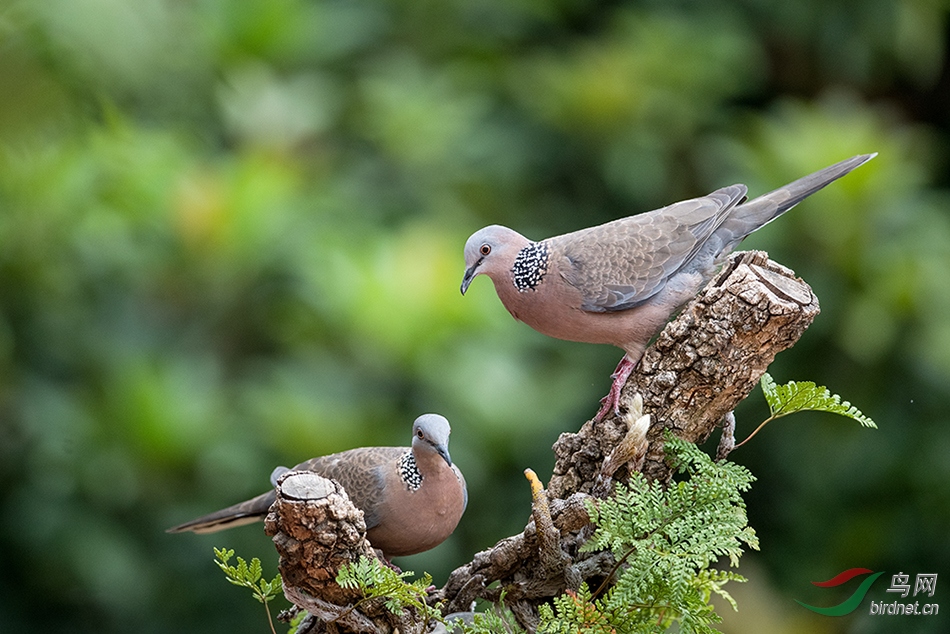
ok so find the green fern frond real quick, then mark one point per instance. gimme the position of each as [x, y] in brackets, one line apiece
[799, 396]
[363, 573]
[577, 613]
[489, 622]
[250, 576]
[376, 581]
[664, 540]
[711, 581]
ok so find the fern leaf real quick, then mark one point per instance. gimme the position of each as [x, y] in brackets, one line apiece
[799, 396]
[376, 581]
[664, 540]
[254, 570]
[224, 554]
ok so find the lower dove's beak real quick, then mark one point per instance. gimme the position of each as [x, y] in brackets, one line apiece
[444, 452]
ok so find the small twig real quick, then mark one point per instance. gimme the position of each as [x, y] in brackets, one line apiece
[553, 558]
[613, 571]
[270, 621]
[767, 420]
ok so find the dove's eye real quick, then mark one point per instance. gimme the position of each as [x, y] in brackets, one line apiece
[485, 250]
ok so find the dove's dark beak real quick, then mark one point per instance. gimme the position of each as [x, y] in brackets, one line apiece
[470, 273]
[444, 452]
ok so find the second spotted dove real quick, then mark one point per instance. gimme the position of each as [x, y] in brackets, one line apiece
[412, 498]
[620, 282]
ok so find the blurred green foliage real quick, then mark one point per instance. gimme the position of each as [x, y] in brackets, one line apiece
[231, 232]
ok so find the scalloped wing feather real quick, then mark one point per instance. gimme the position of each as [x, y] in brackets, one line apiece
[621, 264]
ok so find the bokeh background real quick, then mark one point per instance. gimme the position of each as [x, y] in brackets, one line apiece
[231, 237]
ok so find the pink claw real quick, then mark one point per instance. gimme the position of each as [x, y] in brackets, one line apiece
[611, 402]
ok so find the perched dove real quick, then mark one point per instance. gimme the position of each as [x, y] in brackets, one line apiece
[620, 282]
[412, 499]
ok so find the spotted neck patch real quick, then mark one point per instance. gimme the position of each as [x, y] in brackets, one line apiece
[530, 266]
[409, 471]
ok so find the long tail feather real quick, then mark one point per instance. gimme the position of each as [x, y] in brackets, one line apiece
[247, 512]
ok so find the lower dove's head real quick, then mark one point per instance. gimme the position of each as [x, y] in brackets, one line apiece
[430, 432]
[492, 251]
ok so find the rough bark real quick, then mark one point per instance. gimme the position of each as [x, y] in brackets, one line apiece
[317, 530]
[690, 379]
[700, 366]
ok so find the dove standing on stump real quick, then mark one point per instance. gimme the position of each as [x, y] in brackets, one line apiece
[412, 498]
[620, 282]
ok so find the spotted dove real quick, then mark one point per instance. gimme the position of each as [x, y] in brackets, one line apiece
[411, 498]
[620, 282]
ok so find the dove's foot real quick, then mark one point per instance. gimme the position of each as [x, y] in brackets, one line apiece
[611, 402]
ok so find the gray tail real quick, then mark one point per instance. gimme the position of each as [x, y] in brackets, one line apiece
[252, 510]
[760, 211]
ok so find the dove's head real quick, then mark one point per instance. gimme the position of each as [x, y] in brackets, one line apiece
[430, 433]
[491, 251]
